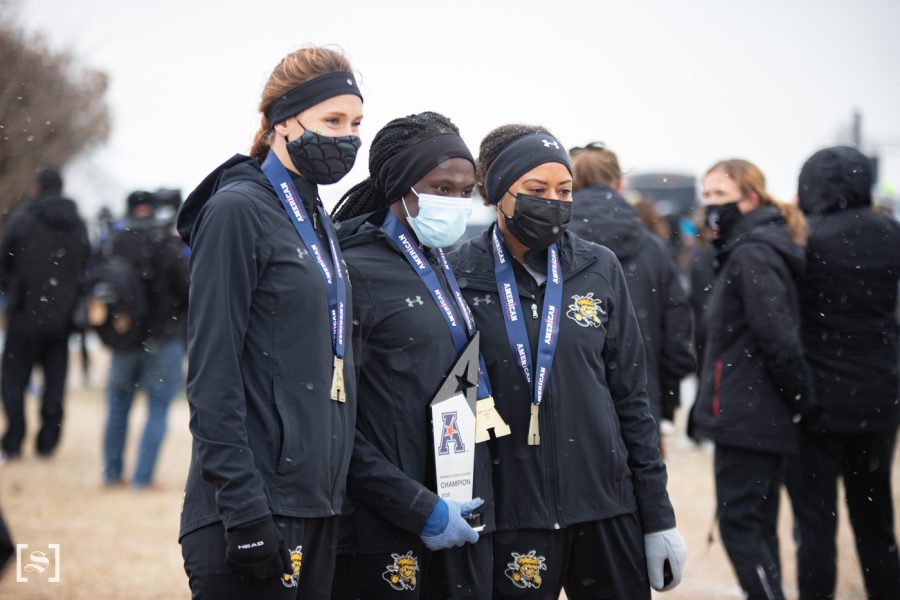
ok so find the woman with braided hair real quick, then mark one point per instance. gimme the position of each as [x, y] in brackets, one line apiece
[410, 325]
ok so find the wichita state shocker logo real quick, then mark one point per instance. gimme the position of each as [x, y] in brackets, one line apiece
[292, 579]
[402, 574]
[586, 310]
[525, 570]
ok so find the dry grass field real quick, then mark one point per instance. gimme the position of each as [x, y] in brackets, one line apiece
[120, 543]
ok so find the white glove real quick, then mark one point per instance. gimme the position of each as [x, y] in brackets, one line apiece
[660, 547]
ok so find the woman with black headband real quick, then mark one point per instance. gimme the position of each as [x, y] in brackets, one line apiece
[269, 325]
[410, 325]
[581, 498]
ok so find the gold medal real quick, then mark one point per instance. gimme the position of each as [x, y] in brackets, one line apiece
[488, 418]
[534, 427]
[337, 381]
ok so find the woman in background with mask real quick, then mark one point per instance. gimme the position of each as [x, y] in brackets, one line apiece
[410, 324]
[581, 499]
[272, 410]
[755, 384]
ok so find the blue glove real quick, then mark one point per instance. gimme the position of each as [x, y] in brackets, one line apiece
[446, 528]
[665, 547]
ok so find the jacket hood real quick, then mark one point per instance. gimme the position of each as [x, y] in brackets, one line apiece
[602, 215]
[361, 230]
[766, 225]
[236, 168]
[54, 211]
[835, 179]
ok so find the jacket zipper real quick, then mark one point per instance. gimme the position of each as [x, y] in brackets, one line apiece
[546, 436]
[717, 385]
[340, 456]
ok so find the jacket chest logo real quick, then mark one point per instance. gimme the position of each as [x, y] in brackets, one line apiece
[417, 301]
[479, 300]
[301, 253]
[586, 310]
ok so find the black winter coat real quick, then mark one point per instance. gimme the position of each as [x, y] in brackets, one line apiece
[159, 257]
[754, 379]
[602, 216]
[43, 256]
[599, 452]
[268, 439]
[404, 351]
[849, 295]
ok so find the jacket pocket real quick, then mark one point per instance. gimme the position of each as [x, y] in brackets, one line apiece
[288, 456]
[717, 388]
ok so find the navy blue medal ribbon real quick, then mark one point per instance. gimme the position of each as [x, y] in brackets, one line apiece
[406, 243]
[516, 332]
[335, 282]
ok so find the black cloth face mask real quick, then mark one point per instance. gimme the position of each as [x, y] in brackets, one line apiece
[722, 219]
[323, 159]
[538, 222]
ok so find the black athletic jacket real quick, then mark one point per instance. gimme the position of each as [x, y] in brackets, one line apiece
[602, 216]
[404, 349]
[159, 256]
[268, 439]
[849, 294]
[43, 255]
[599, 452]
[754, 378]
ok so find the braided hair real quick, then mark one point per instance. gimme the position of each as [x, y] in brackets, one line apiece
[365, 197]
[494, 143]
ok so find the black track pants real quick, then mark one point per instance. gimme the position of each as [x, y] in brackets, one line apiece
[864, 462]
[747, 488]
[313, 546]
[592, 561]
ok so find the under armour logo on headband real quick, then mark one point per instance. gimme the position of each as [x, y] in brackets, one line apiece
[349, 82]
[548, 143]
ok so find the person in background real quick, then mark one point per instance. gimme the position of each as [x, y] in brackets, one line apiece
[601, 215]
[755, 386]
[580, 486]
[847, 300]
[43, 257]
[154, 363]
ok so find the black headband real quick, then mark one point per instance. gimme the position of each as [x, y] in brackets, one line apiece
[401, 171]
[309, 93]
[519, 157]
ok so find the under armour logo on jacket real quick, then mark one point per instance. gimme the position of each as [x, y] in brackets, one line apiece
[548, 143]
[482, 300]
[301, 253]
[412, 303]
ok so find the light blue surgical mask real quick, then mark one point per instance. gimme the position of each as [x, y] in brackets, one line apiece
[441, 221]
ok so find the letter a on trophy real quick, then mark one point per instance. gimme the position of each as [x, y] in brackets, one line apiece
[454, 425]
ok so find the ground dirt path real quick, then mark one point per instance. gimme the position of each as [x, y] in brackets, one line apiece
[120, 543]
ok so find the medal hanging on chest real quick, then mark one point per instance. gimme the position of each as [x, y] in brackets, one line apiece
[332, 275]
[516, 332]
[487, 415]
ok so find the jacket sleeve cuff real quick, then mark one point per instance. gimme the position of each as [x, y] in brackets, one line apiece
[254, 509]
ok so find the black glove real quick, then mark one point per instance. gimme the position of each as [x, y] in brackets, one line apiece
[257, 550]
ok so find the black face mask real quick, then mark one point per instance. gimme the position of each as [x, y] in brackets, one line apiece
[538, 222]
[323, 159]
[722, 219]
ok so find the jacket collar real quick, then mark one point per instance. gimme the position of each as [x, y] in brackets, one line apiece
[474, 261]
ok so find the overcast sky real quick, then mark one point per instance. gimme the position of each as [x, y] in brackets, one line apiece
[666, 84]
